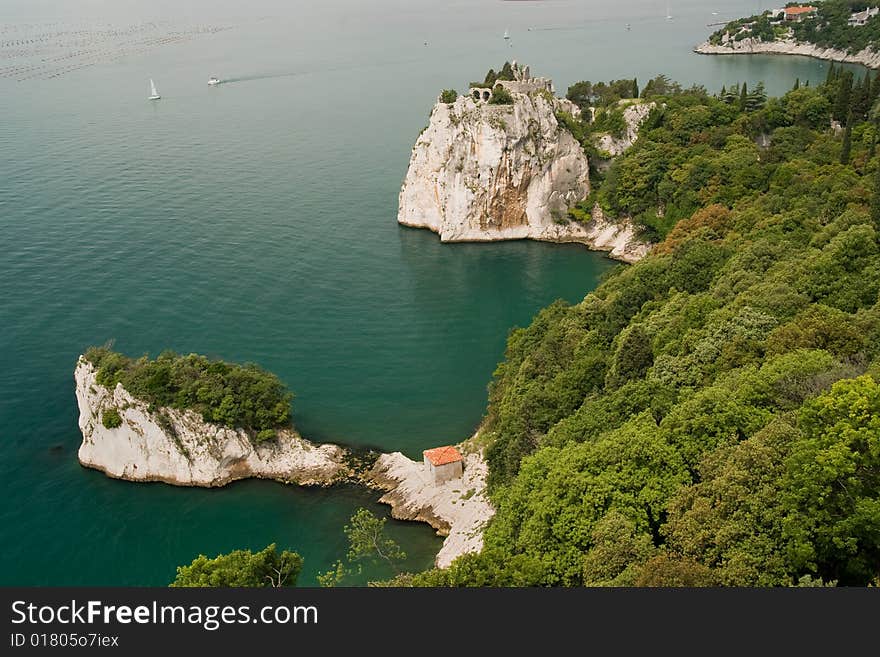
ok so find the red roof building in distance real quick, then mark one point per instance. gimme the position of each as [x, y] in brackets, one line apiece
[798, 13]
[442, 455]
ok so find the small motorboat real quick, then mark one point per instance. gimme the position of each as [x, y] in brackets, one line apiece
[212, 81]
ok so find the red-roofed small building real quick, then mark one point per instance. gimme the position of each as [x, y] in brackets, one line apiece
[443, 463]
[797, 14]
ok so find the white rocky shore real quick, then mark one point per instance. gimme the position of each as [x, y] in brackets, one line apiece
[458, 509]
[184, 450]
[634, 113]
[481, 172]
[750, 46]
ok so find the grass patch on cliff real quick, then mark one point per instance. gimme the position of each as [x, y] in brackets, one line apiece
[237, 396]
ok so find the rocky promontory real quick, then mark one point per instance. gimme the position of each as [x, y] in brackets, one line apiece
[789, 46]
[486, 171]
[179, 447]
[458, 509]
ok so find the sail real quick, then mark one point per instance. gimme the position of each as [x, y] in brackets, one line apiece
[153, 88]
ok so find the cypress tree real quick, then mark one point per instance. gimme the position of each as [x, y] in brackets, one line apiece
[832, 74]
[875, 88]
[859, 98]
[844, 96]
[723, 93]
[743, 97]
[807, 84]
[846, 149]
[635, 89]
[797, 84]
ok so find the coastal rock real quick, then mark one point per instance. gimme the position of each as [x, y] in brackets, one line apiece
[750, 46]
[634, 114]
[619, 237]
[481, 172]
[178, 447]
[457, 509]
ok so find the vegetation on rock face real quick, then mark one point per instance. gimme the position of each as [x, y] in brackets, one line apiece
[238, 396]
[711, 414]
[242, 568]
[111, 419]
[448, 96]
[500, 96]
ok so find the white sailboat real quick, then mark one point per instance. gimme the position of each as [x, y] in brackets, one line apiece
[506, 33]
[154, 95]
[668, 12]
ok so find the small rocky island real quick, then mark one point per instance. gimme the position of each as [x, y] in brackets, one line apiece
[140, 438]
[498, 163]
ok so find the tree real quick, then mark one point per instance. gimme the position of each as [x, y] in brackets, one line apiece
[846, 147]
[670, 570]
[832, 483]
[743, 97]
[581, 94]
[875, 200]
[448, 96]
[367, 541]
[500, 96]
[632, 358]
[797, 84]
[844, 96]
[832, 74]
[635, 88]
[267, 568]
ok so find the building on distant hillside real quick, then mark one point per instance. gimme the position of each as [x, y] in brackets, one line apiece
[443, 463]
[859, 18]
[797, 14]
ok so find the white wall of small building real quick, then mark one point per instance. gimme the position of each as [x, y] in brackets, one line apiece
[443, 473]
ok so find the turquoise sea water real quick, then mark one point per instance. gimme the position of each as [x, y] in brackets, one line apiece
[255, 221]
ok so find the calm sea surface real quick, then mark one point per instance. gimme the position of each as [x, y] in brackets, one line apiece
[255, 221]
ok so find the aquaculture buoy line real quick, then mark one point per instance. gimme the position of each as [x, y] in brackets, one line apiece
[42, 51]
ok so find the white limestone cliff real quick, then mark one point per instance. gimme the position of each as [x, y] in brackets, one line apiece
[788, 46]
[634, 113]
[178, 447]
[481, 172]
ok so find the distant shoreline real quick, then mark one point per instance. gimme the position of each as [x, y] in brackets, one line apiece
[867, 57]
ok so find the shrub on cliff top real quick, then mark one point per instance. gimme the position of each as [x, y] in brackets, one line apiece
[111, 418]
[244, 396]
[448, 96]
[500, 96]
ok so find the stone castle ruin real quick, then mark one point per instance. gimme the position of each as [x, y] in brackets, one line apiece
[522, 83]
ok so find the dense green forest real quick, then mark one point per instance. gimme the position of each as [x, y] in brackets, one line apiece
[240, 396]
[828, 28]
[710, 415]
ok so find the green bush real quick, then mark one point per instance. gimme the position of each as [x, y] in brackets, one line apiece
[111, 418]
[448, 96]
[500, 96]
